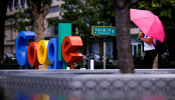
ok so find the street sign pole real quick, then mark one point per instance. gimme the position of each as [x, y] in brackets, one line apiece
[104, 53]
[104, 31]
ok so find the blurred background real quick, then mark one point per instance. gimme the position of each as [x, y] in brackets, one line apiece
[84, 14]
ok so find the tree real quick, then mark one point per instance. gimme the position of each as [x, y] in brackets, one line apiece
[165, 9]
[3, 10]
[83, 15]
[122, 22]
[39, 9]
[21, 20]
[32, 18]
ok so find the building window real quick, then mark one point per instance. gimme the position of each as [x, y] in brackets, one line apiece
[16, 3]
[72, 6]
[54, 9]
[22, 3]
[10, 4]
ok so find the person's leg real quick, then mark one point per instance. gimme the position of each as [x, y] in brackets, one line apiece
[148, 59]
[145, 63]
[153, 55]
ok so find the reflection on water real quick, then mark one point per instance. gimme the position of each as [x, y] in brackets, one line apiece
[30, 94]
[21, 95]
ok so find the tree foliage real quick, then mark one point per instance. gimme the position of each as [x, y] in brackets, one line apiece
[21, 21]
[84, 14]
[31, 18]
[165, 10]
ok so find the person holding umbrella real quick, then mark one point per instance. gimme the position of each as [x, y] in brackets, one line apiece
[149, 49]
[152, 29]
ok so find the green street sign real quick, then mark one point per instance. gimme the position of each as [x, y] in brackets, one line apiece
[104, 30]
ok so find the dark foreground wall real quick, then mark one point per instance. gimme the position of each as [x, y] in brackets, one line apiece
[87, 85]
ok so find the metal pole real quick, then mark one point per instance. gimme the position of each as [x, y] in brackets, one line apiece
[92, 64]
[137, 50]
[104, 53]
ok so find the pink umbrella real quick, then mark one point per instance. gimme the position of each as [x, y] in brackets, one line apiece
[149, 23]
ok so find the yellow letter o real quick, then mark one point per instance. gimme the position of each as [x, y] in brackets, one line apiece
[42, 53]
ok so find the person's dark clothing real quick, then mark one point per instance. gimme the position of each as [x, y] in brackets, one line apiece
[149, 59]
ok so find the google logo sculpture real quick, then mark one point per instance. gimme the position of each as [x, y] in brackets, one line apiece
[54, 53]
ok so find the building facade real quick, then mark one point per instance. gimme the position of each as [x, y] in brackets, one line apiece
[11, 34]
[51, 31]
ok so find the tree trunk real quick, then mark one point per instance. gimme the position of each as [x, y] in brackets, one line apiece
[3, 10]
[122, 21]
[155, 63]
[38, 27]
[39, 12]
[125, 61]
